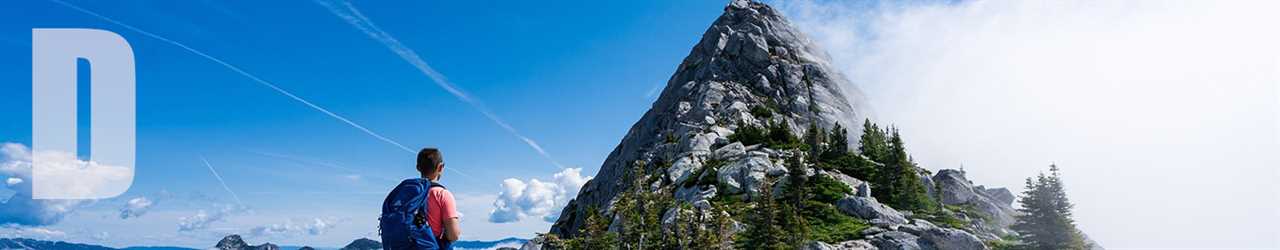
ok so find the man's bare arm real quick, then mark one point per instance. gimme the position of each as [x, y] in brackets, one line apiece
[451, 229]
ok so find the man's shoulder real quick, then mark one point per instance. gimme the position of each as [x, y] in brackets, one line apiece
[438, 191]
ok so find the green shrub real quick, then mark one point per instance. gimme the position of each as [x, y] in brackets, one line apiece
[943, 219]
[761, 111]
[828, 190]
[970, 211]
[828, 224]
[749, 135]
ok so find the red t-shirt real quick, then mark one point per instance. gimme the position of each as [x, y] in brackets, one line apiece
[440, 205]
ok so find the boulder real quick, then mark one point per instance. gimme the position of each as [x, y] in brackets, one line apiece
[856, 245]
[847, 245]
[731, 151]
[895, 240]
[695, 194]
[943, 238]
[953, 188]
[748, 173]
[870, 209]
[699, 143]
[1003, 195]
[817, 245]
[683, 168]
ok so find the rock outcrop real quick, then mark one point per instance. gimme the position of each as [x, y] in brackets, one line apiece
[995, 205]
[871, 210]
[750, 67]
[363, 244]
[753, 68]
[234, 242]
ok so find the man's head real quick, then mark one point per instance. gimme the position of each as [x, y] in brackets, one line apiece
[430, 163]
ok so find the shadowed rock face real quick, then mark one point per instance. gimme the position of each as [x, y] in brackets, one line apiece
[751, 58]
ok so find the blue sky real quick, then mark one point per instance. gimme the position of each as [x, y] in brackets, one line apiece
[571, 75]
[1107, 90]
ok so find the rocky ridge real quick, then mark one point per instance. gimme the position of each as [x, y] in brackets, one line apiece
[753, 68]
[234, 242]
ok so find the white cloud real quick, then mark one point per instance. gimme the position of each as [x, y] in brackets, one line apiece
[40, 233]
[1157, 111]
[314, 226]
[136, 207]
[15, 168]
[519, 199]
[203, 219]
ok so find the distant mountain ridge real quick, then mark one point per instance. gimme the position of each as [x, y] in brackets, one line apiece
[235, 242]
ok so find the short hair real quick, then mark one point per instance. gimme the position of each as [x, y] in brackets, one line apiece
[428, 159]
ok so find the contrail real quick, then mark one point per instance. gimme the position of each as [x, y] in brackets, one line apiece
[241, 72]
[351, 15]
[248, 75]
[319, 163]
[224, 183]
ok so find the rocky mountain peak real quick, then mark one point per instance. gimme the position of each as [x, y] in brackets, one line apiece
[234, 242]
[717, 137]
[363, 244]
[752, 67]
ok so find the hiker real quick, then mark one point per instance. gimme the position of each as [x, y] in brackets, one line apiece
[419, 213]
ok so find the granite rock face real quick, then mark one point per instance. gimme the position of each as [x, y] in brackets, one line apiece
[750, 59]
[954, 188]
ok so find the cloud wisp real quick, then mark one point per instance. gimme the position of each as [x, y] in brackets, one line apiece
[353, 16]
[242, 72]
[136, 207]
[534, 198]
[202, 219]
[295, 227]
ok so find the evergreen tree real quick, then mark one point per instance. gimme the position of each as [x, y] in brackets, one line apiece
[816, 137]
[873, 143]
[595, 233]
[839, 139]
[710, 230]
[763, 228]
[641, 210]
[1045, 221]
[780, 134]
[903, 176]
[796, 192]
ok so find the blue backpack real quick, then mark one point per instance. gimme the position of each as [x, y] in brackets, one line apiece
[403, 224]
